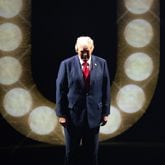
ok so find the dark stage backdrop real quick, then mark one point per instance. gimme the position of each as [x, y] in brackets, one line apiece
[55, 27]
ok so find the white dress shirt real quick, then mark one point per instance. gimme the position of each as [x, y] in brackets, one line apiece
[89, 62]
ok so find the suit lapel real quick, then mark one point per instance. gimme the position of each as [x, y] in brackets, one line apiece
[93, 69]
[78, 70]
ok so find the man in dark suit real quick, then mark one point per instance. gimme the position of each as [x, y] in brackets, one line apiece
[82, 100]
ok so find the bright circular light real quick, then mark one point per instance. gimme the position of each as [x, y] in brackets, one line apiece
[10, 8]
[114, 121]
[130, 98]
[10, 70]
[17, 102]
[138, 66]
[138, 6]
[138, 33]
[42, 120]
[10, 36]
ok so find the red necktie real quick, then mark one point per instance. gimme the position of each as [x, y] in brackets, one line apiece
[85, 69]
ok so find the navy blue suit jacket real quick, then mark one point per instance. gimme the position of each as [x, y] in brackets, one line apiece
[73, 102]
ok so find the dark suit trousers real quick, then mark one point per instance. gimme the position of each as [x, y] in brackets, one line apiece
[82, 139]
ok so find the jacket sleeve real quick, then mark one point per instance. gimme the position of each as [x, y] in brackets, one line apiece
[106, 91]
[61, 91]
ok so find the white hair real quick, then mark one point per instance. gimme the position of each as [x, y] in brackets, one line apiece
[84, 41]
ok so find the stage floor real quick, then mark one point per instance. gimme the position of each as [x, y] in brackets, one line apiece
[109, 154]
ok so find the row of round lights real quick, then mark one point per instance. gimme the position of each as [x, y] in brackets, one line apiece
[19, 102]
[138, 67]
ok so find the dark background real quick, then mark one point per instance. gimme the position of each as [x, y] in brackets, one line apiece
[55, 27]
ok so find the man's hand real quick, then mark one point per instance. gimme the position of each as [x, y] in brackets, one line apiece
[104, 120]
[62, 121]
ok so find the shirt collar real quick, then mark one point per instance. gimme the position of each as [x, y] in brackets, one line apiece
[81, 61]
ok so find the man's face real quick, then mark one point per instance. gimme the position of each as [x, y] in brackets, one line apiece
[84, 52]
